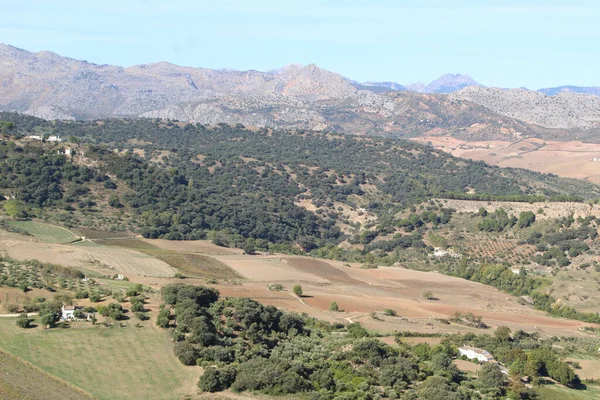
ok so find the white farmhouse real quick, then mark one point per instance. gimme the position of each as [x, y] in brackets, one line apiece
[473, 353]
[68, 312]
[439, 252]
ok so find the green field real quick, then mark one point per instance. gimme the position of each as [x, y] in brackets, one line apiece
[110, 363]
[556, 392]
[22, 381]
[44, 232]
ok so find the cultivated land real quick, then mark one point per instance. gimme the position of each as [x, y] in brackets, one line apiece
[139, 362]
[358, 292]
[567, 159]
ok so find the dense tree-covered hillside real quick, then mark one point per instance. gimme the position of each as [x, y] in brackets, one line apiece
[181, 181]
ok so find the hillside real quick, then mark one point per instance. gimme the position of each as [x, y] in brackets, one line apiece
[181, 181]
[565, 110]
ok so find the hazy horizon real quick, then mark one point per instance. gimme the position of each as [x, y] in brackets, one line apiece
[533, 44]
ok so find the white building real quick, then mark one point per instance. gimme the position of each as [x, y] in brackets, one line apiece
[473, 353]
[68, 312]
[54, 138]
[438, 252]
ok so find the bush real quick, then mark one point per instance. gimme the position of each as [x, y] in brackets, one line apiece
[216, 380]
[334, 307]
[277, 287]
[95, 297]
[428, 295]
[12, 308]
[298, 290]
[389, 312]
[142, 316]
[23, 321]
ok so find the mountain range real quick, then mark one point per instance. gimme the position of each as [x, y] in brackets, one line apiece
[50, 86]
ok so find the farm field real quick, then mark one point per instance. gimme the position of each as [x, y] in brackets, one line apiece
[85, 254]
[358, 292]
[46, 233]
[109, 363]
[569, 159]
[189, 263]
[557, 392]
[22, 381]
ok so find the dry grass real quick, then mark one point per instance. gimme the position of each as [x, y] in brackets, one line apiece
[190, 264]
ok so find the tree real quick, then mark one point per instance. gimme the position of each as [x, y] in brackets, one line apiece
[428, 295]
[526, 218]
[490, 376]
[95, 297]
[249, 248]
[49, 319]
[334, 307]
[16, 209]
[23, 321]
[216, 380]
[298, 290]
[437, 388]
[502, 334]
[355, 330]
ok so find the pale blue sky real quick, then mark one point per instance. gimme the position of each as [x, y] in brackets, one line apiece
[500, 43]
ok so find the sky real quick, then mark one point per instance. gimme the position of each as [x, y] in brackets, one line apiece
[526, 43]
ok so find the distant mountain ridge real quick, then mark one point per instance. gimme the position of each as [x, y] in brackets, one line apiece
[447, 83]
[50, 86]
[595, 90]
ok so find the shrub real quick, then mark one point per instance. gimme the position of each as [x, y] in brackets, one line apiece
[298, 290]
[389, 312]
[428, 295]
[334, 307]
[23, 321]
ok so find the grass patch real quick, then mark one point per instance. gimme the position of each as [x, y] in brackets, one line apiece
[44, 232]
[109, 363]
[20, 380]
[190, 264]
[557, 392]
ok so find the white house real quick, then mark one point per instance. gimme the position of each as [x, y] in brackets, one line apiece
[473, 353]
[439, 252]
[68, 312]
[120, 277]
[54, 138]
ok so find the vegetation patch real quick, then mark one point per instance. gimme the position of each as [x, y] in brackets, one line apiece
[46, 233]
[20, 380]
[110, 363]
